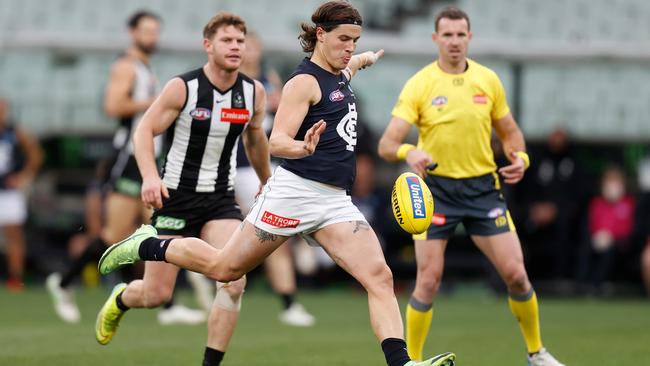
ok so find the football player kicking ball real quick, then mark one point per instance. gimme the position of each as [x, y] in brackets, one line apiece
[209, 108]
[455, 102]
[314, 131]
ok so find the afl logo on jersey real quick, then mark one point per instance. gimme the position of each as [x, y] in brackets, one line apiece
[439, 101]
[200, 113]
[337, 96]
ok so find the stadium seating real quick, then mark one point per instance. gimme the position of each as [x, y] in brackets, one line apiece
[55, 55]
[596, 100]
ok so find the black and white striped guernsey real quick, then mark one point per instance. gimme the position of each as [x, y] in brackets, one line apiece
[203, 153]
[144, 87]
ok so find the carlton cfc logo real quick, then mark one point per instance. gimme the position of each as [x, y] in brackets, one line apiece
[200, 113]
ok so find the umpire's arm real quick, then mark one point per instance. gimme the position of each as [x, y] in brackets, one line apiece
[394, 135]
[513, 143]
[391, 142]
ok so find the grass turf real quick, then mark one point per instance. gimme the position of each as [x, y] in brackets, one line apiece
[479, 328]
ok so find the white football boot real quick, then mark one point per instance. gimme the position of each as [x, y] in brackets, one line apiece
[179, 314]
[63, 299]
[543, 358]
[297, 316]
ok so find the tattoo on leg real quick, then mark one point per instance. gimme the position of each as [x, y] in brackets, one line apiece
[360, 225]
[264, 236]
[241, 226]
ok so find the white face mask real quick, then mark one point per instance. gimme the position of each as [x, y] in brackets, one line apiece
[613, 191]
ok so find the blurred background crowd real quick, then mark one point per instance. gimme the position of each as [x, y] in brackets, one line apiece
[576, 73]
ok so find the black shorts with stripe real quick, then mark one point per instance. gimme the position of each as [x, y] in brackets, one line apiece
[477, 202]
[125, 176]
[184, 213]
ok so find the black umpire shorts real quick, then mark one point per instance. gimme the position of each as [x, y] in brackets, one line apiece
[476, 202]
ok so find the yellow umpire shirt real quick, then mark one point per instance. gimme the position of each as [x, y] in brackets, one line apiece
[453, 114]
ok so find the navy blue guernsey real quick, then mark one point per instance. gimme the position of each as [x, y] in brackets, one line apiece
[333, 161]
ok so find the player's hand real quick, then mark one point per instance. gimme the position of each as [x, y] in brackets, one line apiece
[313, 136]
[372, 57]
[514, 172]
[153, 191]
[418, 160]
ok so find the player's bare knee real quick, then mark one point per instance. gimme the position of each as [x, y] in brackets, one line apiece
[155, 296]
[516, 280]
[229, 295]
[428, 285]
[379, 278]
[225, 274]
[236, 288]
[110, 236]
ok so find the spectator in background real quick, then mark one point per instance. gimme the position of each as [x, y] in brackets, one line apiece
[553, 197]
[20, 158]
[611, 219]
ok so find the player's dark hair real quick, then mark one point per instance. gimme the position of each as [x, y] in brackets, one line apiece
[328, 16]
[453, 13]
[222, 19]
[134, 20]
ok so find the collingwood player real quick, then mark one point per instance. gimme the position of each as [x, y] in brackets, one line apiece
[131, 88]
[315, 132]
[206, 110]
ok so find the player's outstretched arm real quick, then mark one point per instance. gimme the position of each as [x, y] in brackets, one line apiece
[156, 120]
[363, 60]
[255, 141]
[297, 95]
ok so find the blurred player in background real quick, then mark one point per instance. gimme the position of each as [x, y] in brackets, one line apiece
[279, 266]
[81, 246]
[131, 88]
[207, 110]
[454, 103]
[20, 158]
[315, 132]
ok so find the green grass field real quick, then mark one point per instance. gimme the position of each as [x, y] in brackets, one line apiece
[478, 327]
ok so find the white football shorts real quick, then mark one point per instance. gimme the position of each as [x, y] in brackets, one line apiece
[14, 207]
[290, 205]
